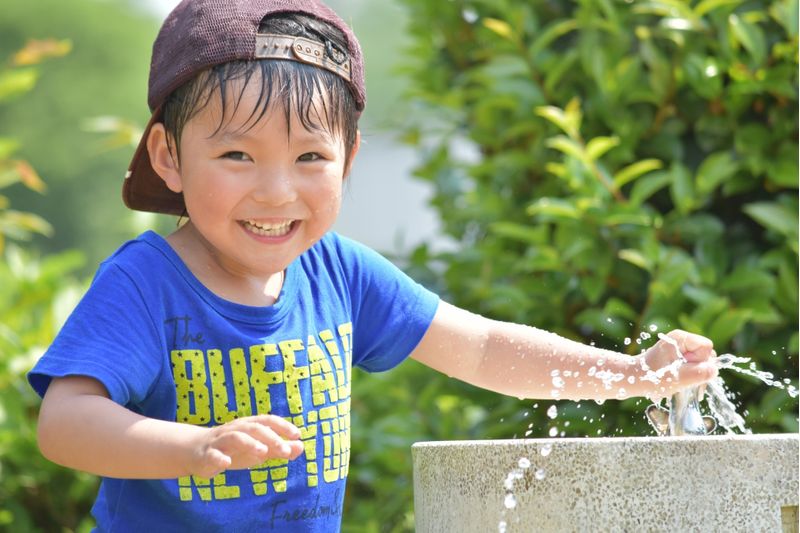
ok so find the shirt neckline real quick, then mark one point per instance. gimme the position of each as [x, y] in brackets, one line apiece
[234, 310]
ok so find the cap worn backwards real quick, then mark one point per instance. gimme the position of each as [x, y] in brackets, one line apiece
[200, 34]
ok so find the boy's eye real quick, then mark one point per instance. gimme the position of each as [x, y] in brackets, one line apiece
[309, 157]
[236, 156]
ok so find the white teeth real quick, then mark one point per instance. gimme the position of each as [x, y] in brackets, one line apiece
[268, 230]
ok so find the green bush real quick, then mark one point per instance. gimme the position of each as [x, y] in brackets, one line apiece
[35, 297]
[603, 167]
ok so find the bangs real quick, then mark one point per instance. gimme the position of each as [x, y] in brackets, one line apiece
[319, 99]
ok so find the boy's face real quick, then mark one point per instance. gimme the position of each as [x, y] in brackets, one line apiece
[258, 195]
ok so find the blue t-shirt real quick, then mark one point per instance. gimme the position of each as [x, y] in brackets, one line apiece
[167, 347]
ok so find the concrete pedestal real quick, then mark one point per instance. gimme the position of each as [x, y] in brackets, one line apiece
[719, 483]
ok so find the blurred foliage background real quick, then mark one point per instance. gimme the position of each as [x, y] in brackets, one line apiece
[601, 166]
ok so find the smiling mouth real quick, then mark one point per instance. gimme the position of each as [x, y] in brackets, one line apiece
[269, 230]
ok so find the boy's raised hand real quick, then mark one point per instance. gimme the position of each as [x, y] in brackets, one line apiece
[677, 361]
[244, 443]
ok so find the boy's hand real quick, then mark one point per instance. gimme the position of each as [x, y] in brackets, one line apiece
[680, 361]
[244, 443]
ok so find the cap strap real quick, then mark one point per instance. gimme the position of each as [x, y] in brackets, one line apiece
[329, 57]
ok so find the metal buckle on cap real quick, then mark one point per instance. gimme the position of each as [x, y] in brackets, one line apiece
[327, 56]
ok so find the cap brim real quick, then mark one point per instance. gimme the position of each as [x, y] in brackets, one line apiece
[143, 189]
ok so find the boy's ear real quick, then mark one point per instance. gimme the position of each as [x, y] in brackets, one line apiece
[349, 163]
[162, 159]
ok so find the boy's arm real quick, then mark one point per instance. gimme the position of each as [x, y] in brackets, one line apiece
[527, 362]
[81, 428]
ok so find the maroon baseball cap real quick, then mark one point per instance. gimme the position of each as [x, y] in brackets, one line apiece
[199, 34]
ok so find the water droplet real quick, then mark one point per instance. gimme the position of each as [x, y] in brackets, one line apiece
[627, 341]
[510, 502]
[553, 431]
[540, 474]
[552, 412]
[525, 463]
[470, 15]
[631, 380]
[558, 383]
[546, 449]
[653, 328]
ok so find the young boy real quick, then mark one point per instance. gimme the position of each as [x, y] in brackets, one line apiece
[206, 375]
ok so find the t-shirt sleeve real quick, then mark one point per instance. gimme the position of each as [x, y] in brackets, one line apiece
[391, 311]
[110, 336]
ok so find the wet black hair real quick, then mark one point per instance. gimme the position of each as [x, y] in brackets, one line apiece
[295, 84]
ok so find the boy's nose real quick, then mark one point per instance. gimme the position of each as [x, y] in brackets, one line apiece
[274, 188]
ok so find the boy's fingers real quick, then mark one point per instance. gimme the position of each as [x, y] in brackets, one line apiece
[275, 444]
[217, 461]
[283, 427]
[694, 347]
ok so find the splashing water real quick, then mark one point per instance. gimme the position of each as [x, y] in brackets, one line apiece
[721, 407]
[716, 394]
[729, 361]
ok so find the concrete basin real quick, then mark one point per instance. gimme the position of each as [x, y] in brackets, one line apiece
[671, 484]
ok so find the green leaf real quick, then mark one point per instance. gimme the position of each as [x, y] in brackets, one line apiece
[646, 187]
[774, 216]
[682, 188]
[782, 170]
[20, 225]
[750, 36]
[567, 146]
[786, 13]
[551, 33]
[634, 219]
[749, 278]
[635, 170]
[728, 324]
[17, 81]
[707, 6]
[598, 146]
[554, 207]
[500, 27]
[560, 69]
[520, 232]
[618, 308]
[7, 147]
[635, 257]
[715, 169]
[568, 119]
[704, 75]
[593, 287]
[666, 8]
